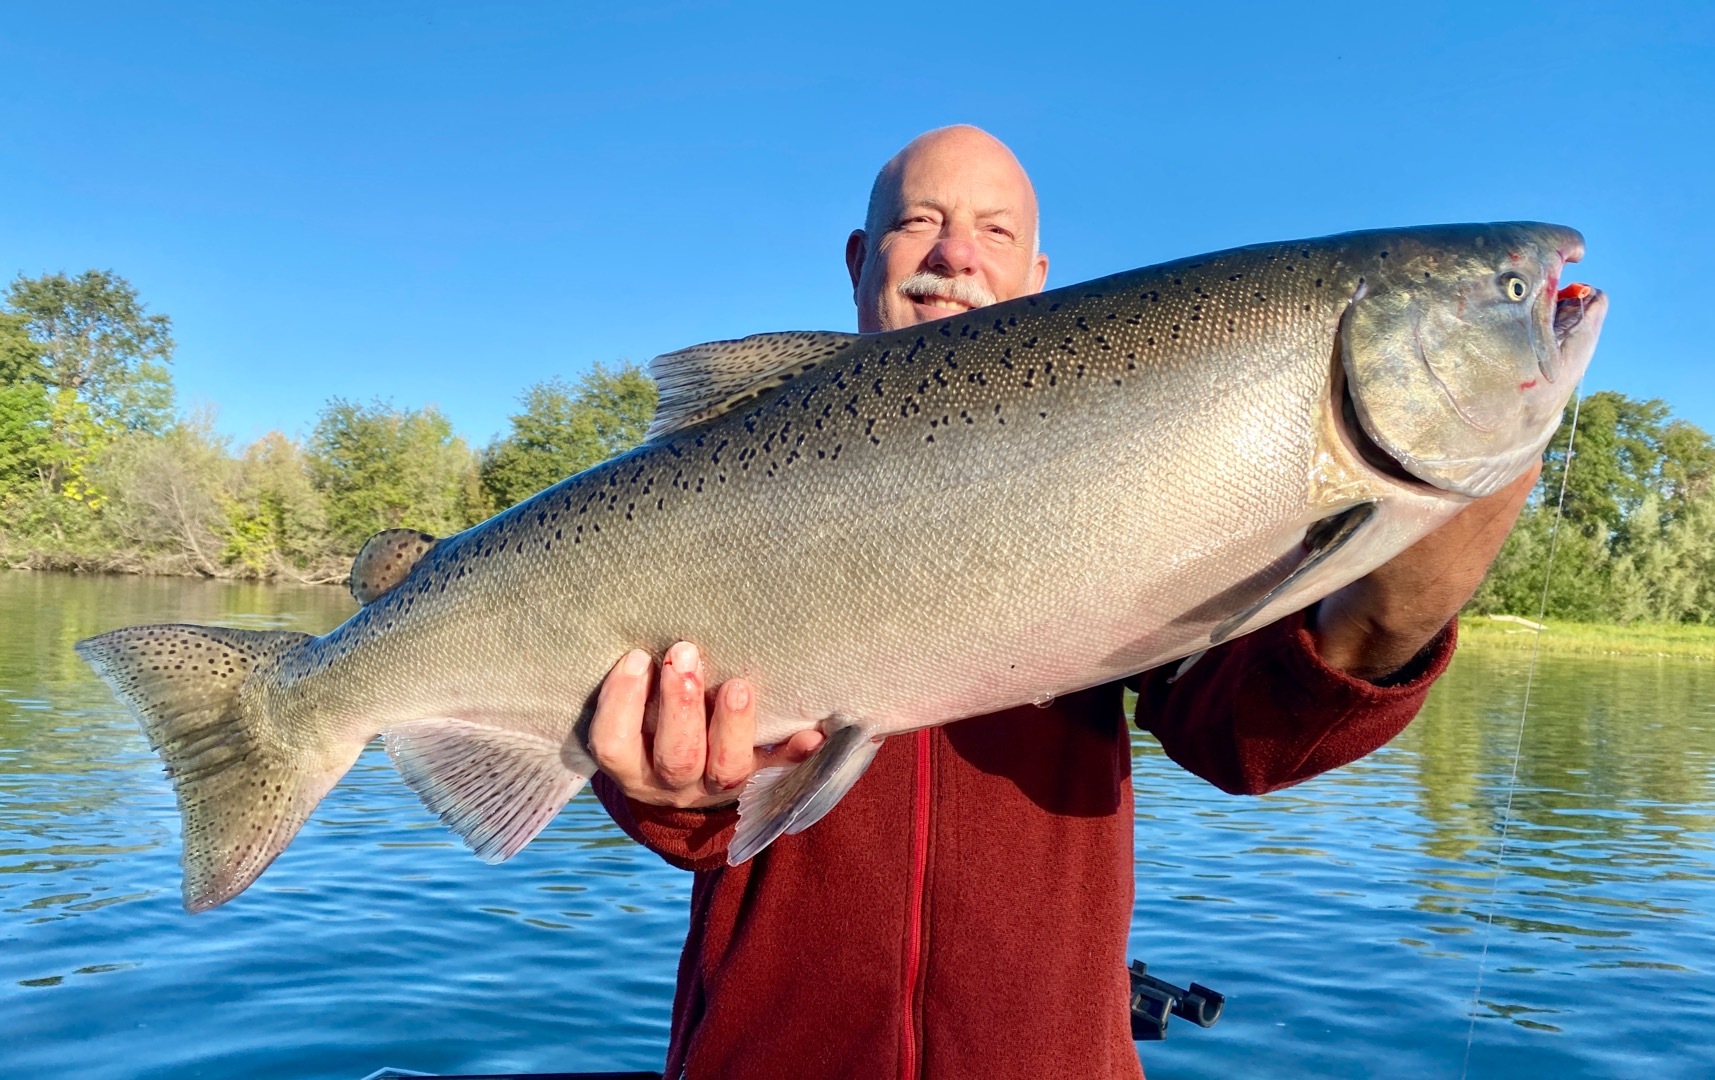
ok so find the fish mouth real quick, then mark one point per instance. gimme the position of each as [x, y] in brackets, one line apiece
[1570, 304]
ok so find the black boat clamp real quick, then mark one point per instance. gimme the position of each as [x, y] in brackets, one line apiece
[1153, 1000]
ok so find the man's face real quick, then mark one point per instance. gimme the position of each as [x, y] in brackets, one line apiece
[956, 222]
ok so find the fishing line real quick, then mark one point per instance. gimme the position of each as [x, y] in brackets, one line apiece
[1518, 744]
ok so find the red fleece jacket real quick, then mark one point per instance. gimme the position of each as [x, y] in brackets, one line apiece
[963, 911]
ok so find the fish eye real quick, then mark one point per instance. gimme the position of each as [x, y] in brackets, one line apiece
[1514, 286]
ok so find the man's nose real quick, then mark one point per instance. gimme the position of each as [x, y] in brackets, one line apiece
[953, 255]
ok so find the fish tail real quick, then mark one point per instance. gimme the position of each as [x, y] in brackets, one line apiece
[243, 789]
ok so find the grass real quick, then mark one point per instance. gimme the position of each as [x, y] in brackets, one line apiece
[1637, 639]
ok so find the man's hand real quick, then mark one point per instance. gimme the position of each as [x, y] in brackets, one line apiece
[1374, 626]
[677, 754]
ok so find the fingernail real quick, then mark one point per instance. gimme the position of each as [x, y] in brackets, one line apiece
[636, 663]
[684, 658]
[737, 696]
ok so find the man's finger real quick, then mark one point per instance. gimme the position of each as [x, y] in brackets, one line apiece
[732, 736]
[616, 729]
[790, 752]
[681, 724]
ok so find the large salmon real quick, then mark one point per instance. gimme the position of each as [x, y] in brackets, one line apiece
[999, 507]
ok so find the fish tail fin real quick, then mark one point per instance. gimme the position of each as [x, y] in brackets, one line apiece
[243, 792]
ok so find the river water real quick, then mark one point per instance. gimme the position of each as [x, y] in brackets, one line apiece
[1344, 918]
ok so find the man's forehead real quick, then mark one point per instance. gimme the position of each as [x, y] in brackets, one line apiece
[985, 179]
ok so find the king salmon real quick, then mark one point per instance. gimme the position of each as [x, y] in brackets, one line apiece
[999, 507]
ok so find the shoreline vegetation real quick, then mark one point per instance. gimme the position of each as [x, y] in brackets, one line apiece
[100, 472]
[1692, 641]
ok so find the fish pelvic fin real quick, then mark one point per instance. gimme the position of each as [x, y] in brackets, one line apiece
[243, 791]
[496, 788]
[790, 799]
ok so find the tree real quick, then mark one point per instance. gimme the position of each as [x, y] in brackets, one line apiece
[25, 414]
[25, 445]
[169, 493]
[96, 339]
[1638, 538]
[276, 518]
[378, 467]
[565, 429]
[20, 356]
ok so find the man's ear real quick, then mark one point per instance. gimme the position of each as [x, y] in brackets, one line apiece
[1038, 272]
[857, 248]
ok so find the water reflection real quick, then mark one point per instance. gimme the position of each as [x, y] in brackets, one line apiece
[1344, 917]
[1600, 934]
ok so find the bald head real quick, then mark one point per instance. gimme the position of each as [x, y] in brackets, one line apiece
[952, 225]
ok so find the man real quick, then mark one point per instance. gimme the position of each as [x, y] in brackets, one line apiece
[964, 910]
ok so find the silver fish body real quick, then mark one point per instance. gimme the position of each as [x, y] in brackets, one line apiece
[896, 530]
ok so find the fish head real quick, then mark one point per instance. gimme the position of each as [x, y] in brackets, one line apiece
[1461, 347]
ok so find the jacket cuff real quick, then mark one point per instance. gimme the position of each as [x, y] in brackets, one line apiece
[687, 838]
[1411, 680]
[1339, 717]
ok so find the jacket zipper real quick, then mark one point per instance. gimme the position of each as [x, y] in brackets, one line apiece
[911, 1050]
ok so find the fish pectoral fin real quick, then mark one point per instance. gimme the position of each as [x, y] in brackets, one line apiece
[1322, 539]
[496, 788]
[704, 381]
[790, 799]
[384, 560]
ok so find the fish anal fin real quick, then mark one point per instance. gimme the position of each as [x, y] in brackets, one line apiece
[790, 799]
[705, 381]
[496, 788]
[1321, 541]
[384, 560]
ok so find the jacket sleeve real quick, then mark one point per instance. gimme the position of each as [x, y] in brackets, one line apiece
[688, 839]
[1264, 712]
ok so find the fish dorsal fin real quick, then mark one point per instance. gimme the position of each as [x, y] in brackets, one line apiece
[384, 561]
[704, 381]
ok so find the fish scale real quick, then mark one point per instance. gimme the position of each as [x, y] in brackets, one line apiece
[888, 531]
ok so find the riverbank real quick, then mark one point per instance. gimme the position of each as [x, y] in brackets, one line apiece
[331, 570]
[1687, 640]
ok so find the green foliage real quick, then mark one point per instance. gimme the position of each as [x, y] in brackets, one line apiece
[96, 339]
[276, 520]
[96, 471]
[49, 446]
[20, 356]
[169, 494]
[25, 435]
[377, 467]
[1638, 540]
[564, 430]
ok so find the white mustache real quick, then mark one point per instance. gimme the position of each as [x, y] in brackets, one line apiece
[922, 285]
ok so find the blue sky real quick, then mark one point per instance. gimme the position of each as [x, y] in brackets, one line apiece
[443, 203]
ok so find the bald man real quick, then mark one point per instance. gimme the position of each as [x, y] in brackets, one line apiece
[963, 911]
